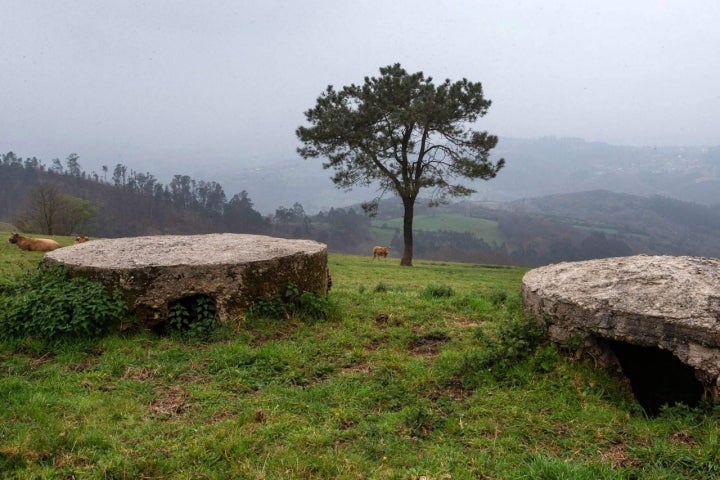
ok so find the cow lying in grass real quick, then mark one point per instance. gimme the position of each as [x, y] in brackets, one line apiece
[81, 239]
[381, 252]
[34, 244]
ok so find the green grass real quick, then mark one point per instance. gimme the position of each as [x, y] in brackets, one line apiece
[401, 385]
[482, 228]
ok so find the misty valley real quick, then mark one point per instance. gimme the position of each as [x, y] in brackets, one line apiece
[527, 230]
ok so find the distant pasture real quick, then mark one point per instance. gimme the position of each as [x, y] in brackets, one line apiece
[488, 230]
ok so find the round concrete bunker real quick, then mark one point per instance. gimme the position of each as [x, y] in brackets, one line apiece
[656, 318]
[232, 269]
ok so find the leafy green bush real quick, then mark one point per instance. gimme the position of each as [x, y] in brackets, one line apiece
[498, 353]
[49, 305]
[194, 317]
[294, 303]
[513, 341]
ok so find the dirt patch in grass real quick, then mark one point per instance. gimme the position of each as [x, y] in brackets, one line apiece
[19, 453]
[264, 338]
[683, 438]
[617, 456]
[139, 374]
[219, 417]
[197, 373]
[374, 344]
[37, 362]
[468, 323]
[170, 402]
[358, 368]
[80, 367]
[454, 390]
[427, 344]
[385, 320]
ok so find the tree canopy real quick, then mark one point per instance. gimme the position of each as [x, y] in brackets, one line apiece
[405, 134]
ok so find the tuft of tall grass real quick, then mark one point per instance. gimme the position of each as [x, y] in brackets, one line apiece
[439, 291]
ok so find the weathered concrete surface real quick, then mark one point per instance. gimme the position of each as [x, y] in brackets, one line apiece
[672, 303]
[153, 272]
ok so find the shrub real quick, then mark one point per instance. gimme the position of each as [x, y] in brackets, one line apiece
[439, 291]
[421, 419]
[49, 305]
[194, 317]
[515, 341]
[294, 303]
[498, 297]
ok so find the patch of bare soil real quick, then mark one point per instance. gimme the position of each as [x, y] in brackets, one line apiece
[428, 344]
[139, 374]
[617, 456]
[361, 368]
[37, 362]
[170, 402]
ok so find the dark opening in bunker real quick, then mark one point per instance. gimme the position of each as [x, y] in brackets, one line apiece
[657, 377]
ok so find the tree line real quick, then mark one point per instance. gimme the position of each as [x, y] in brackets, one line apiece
[63, 199]
[182, 191]
[33, 193]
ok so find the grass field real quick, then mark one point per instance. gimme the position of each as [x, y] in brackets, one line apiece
[411, 378]
[482, 228]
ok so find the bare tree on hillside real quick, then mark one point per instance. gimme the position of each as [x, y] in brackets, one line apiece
[52, 212]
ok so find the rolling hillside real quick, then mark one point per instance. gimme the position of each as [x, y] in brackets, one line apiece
[482, 228]
[541, 230]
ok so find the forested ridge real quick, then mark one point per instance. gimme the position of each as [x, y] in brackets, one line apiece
[534, 231]
[129, 203]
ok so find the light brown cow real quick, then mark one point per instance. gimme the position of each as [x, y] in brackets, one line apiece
[380, 252]
[34, 244]
[81, 239]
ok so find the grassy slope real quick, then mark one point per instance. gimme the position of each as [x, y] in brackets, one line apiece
[377, 392]
[482, 228]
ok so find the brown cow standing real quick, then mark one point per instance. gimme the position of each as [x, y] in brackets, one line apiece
[34, 244]
[380, 252]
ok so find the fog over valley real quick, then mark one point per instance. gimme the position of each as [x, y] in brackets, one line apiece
[535, 167]
[159, 84]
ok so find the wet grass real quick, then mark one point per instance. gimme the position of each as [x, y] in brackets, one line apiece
[426, 373]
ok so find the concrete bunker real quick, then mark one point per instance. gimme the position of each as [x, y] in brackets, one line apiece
[155, 273]
[654, 318]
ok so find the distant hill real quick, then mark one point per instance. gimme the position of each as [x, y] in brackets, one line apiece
[554, 228]
[653, 224]
[549, 166]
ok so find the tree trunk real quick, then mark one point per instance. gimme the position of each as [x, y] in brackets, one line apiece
[407, 256]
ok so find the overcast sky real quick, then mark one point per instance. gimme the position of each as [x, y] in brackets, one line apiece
[155, 81]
